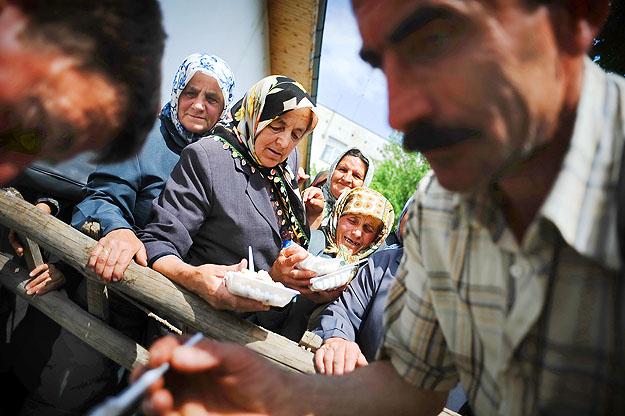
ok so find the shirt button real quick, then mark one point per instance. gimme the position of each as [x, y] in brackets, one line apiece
[516, 270]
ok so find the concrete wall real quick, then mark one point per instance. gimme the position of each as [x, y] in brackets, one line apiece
[335, 133]
[235, 30]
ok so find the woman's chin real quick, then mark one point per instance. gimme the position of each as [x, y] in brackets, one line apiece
[270, 162]
[352, 250]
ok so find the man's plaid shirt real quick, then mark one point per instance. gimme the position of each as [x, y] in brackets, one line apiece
[527, 328]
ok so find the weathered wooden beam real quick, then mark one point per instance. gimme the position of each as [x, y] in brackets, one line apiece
[152, 288]
[97, 295]
[32, 253]
[311, 341]
[97, 300]
[88, 328]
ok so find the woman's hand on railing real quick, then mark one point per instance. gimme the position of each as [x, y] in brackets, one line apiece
[338, 356]
[15, 242]
[46, 277]
[114, 252]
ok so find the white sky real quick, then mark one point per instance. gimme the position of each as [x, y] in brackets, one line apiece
[347, 85]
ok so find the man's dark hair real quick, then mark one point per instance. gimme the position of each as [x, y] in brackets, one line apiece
[121, 39]
[357, 153]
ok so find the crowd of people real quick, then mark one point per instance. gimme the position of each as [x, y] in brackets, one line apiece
[212, 178]
[501, 285]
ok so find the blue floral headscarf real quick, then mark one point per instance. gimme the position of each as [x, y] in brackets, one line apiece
[214, 67]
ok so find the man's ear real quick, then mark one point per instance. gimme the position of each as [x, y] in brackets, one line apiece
[578, 22]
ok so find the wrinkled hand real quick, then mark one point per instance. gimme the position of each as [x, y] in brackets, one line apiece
[15, 242]
[313, 203]
[339, 356]
[46, 277]
[283, 270]
[313, 200]
[209, 283]
[302, 176]
[114, 252]
[325, 296]
[211, 378]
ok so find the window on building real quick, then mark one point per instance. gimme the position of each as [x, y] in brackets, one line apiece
[332, 150]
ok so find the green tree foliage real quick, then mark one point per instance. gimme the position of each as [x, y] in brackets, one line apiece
[398, 173]
[609, 48]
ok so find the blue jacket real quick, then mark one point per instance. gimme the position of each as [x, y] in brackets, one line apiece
[120, 195]
[357, 314]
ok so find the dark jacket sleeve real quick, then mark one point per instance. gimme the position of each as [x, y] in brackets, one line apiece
[110, 196]
[181, 209]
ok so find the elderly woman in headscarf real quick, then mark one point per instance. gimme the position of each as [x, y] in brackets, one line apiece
[361, 221]
[352, 169]
[234, 190]
[351, 326]
[118, 196]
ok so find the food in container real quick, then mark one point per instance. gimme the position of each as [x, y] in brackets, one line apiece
[259, 286]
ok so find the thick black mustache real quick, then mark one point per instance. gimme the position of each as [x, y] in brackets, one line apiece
[423, 136]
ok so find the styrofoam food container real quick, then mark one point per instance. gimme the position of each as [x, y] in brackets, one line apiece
[320, 265]
[247, 284]
[330, 282]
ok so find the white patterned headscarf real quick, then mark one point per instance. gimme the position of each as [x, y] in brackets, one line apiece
[326, 189]
[207, 64]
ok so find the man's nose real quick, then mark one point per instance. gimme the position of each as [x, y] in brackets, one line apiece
[407, 99]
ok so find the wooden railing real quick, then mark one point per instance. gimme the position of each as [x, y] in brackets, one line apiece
[141, 283]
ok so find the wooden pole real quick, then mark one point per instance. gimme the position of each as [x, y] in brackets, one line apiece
[88, 328]
[152, 288]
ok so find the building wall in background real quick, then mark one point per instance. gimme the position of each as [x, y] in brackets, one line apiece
[255, 37]
[335, 133]
[235, 30]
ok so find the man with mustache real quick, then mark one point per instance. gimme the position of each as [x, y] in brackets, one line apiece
[510, 277]
[76, 76]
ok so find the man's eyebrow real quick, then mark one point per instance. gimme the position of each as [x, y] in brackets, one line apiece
[419, 18]
[371, 57]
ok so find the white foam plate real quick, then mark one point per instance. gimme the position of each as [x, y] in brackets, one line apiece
[320, 265]
[268, 293]
[329, 282]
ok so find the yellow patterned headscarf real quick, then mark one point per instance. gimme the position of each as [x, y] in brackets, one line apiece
[360, 201]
